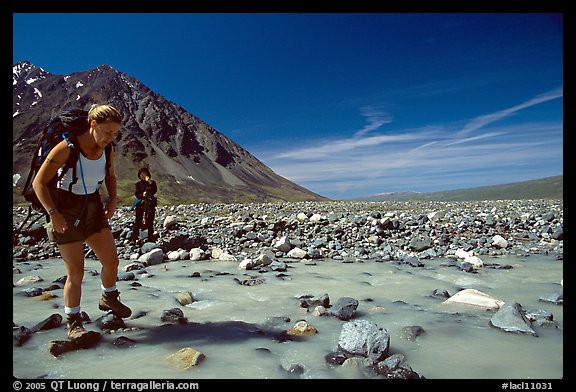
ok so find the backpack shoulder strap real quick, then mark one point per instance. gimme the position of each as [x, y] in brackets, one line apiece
[72, 141]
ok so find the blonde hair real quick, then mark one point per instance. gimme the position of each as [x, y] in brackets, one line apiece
[103, 113]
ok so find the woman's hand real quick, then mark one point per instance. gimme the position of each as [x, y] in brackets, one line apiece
[59, 224]
[109, 209]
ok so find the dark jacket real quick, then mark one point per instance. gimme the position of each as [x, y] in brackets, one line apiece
[150, 189]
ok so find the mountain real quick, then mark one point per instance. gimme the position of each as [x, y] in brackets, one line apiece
[542, 188]
[190, 160]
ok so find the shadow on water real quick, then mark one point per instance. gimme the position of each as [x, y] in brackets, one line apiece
[222, 331]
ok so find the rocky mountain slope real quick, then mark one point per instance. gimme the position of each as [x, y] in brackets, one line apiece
[190, 160]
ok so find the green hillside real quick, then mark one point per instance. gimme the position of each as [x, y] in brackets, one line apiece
[543, 188]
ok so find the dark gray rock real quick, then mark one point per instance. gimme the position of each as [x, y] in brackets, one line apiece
[110, 321]
[395, 367]
[555, 298]
[510, 318]
[364, 338]
[411, 332]
[344, 308]
[174, 315]
[53, 321]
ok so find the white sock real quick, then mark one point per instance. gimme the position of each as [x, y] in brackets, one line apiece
[68, 310]
[109, 289]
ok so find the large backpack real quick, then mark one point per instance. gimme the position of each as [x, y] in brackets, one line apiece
[64, 126]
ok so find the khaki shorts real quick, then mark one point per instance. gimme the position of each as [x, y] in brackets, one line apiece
[92, 220]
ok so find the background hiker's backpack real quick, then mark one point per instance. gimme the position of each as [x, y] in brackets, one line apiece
[64, 126]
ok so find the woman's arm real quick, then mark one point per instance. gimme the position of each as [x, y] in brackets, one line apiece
[111, 187]
[55, 160]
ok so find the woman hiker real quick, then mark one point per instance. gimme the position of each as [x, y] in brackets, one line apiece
[77, 216]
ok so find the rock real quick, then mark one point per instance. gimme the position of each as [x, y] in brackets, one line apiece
[53, 321]
[123, 341]
[21, 335]
[302, 328]
[555, 298]
[58, 347]
[196, 254]
[153, 257]
[309, 301]
[364, 338]
[46, 296]
[227, 257]
[412, 332]
[249, 281]
[173, 255]
[476, 298]
[186, 357]
[264, 259]
[246, 264]
[510, 318]
[413, 261]
[336, 357]
[173, 315]
[29, 279]
[443, 293]
[395, 367]
[319, 311]
[184, 298]
[109, 322]
[32, 291]
[283, 244]
[558, 234]
[419, 244]
[297, 253]
[499, 242]
[216, 252]
[170, 222]
[344, 308]
[278, 266]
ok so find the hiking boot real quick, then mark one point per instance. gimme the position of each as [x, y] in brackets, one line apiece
[75, 327]
[78, 335]
[110, 301]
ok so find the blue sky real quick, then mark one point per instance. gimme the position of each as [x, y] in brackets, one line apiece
[344, 104]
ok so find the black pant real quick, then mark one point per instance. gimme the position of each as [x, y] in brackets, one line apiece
[150, 211]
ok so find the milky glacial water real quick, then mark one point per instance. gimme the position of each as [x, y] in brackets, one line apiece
[224, 320]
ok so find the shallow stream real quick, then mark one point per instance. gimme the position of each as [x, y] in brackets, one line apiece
[226, 320]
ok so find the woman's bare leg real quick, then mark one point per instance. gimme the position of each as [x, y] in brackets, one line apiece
[104, 247]
[73, 256]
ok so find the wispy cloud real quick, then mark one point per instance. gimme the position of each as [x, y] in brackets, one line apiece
[375, 118]
[482, 121]
[438, 157]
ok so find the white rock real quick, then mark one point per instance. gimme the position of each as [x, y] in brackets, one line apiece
[227, 257]
[173, 255]
[499, 242]
[475, 261]
[29, 279]
[283, 244]
[216, 252]
[263, 260]
[297, 253]
[196, 254]
[315, 218]
[462, 254]
[476, 298]
[246, 264]
[169, 222]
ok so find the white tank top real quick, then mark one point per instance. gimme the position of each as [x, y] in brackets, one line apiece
[94, 172]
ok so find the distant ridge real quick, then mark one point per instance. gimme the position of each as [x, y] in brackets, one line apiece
[542, 188]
